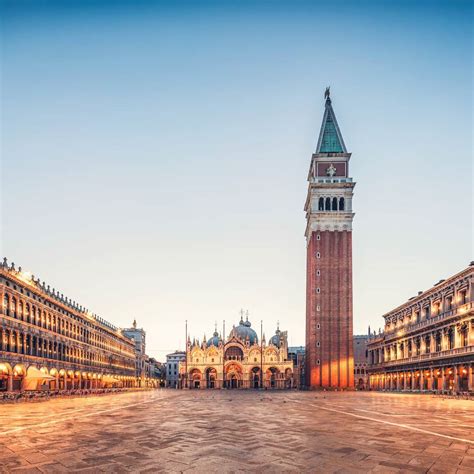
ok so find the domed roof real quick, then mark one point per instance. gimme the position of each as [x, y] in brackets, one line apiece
[214, 340]
[275, 340]
[243, 330]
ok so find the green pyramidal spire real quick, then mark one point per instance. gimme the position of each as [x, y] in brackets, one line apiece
[330, 138]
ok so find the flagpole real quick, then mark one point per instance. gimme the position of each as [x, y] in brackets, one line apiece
[223, 353]
[261, 353]
[186, 358]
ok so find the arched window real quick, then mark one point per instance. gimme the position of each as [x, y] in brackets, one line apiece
[328, 204]
[464, 336]
[341, 204]
[234, 353]
[20, 310]
[6, 304]
[451, 338]
[334, 204]
[27, 313]
[321, 204]
[13, 307]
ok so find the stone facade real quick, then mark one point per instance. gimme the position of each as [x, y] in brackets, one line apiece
[361, 363]
[172, 368]
[329, 349]
[428, 342]
[142, 365]
[298, 355]
[49, 341]
[240, 362]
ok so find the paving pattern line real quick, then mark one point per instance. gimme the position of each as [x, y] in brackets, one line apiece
[381, 413]
[93, 413]
[400, 425]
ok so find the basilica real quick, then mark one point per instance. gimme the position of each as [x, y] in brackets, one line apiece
[242, 361]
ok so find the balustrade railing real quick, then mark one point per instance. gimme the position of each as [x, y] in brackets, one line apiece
[459, 310]
[429, 356]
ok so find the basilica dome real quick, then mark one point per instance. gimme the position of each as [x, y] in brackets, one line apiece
[244, 330]
[275, 340]
[214, 340]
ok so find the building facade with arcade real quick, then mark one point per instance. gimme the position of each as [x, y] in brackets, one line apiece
[48, 341]
[428, 342]
[239, 362]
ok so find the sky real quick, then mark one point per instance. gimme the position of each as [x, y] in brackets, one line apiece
[155, 154]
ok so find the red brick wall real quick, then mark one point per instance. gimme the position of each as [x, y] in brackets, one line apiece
[335, 353]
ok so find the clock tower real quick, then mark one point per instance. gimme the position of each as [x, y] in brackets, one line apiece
[329, 351]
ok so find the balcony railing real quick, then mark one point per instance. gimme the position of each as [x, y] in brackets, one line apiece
[430, 356]
[458, 311]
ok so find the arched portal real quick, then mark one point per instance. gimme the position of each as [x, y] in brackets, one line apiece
[211, 377]
[255, 377]
[5, 375]
[272, 376]
[195, 377]
[233, 375]
[288, 378]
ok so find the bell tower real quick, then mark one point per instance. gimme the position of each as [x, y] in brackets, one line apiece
[329, 351]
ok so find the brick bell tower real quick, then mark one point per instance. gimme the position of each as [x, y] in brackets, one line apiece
[329, 351]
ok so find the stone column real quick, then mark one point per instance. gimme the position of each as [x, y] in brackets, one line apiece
[457, 337]
[470, 334]
[431, 387]
[10, 383]
[470, 377]
[456, 378]
[422, 381]
[443, 379]
[412, 380]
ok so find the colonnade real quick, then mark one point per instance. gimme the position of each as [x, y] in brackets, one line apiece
[451, 378]
[19, 377]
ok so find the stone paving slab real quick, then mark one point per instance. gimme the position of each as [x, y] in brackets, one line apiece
[239, 431]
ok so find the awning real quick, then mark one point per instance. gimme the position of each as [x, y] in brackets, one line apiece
[33, 378]
[34, 373]
[109, 379]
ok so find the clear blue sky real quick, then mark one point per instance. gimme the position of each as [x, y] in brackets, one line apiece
[155, 154]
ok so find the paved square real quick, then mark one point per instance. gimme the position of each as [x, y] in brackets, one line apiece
[239, 431]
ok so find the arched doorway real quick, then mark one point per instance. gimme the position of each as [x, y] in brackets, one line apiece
[5, 373]
[211, 377]
[272, 377]
[19, 373]
[255, 377]
[464, 379]
[195, 378]
[234, 375]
